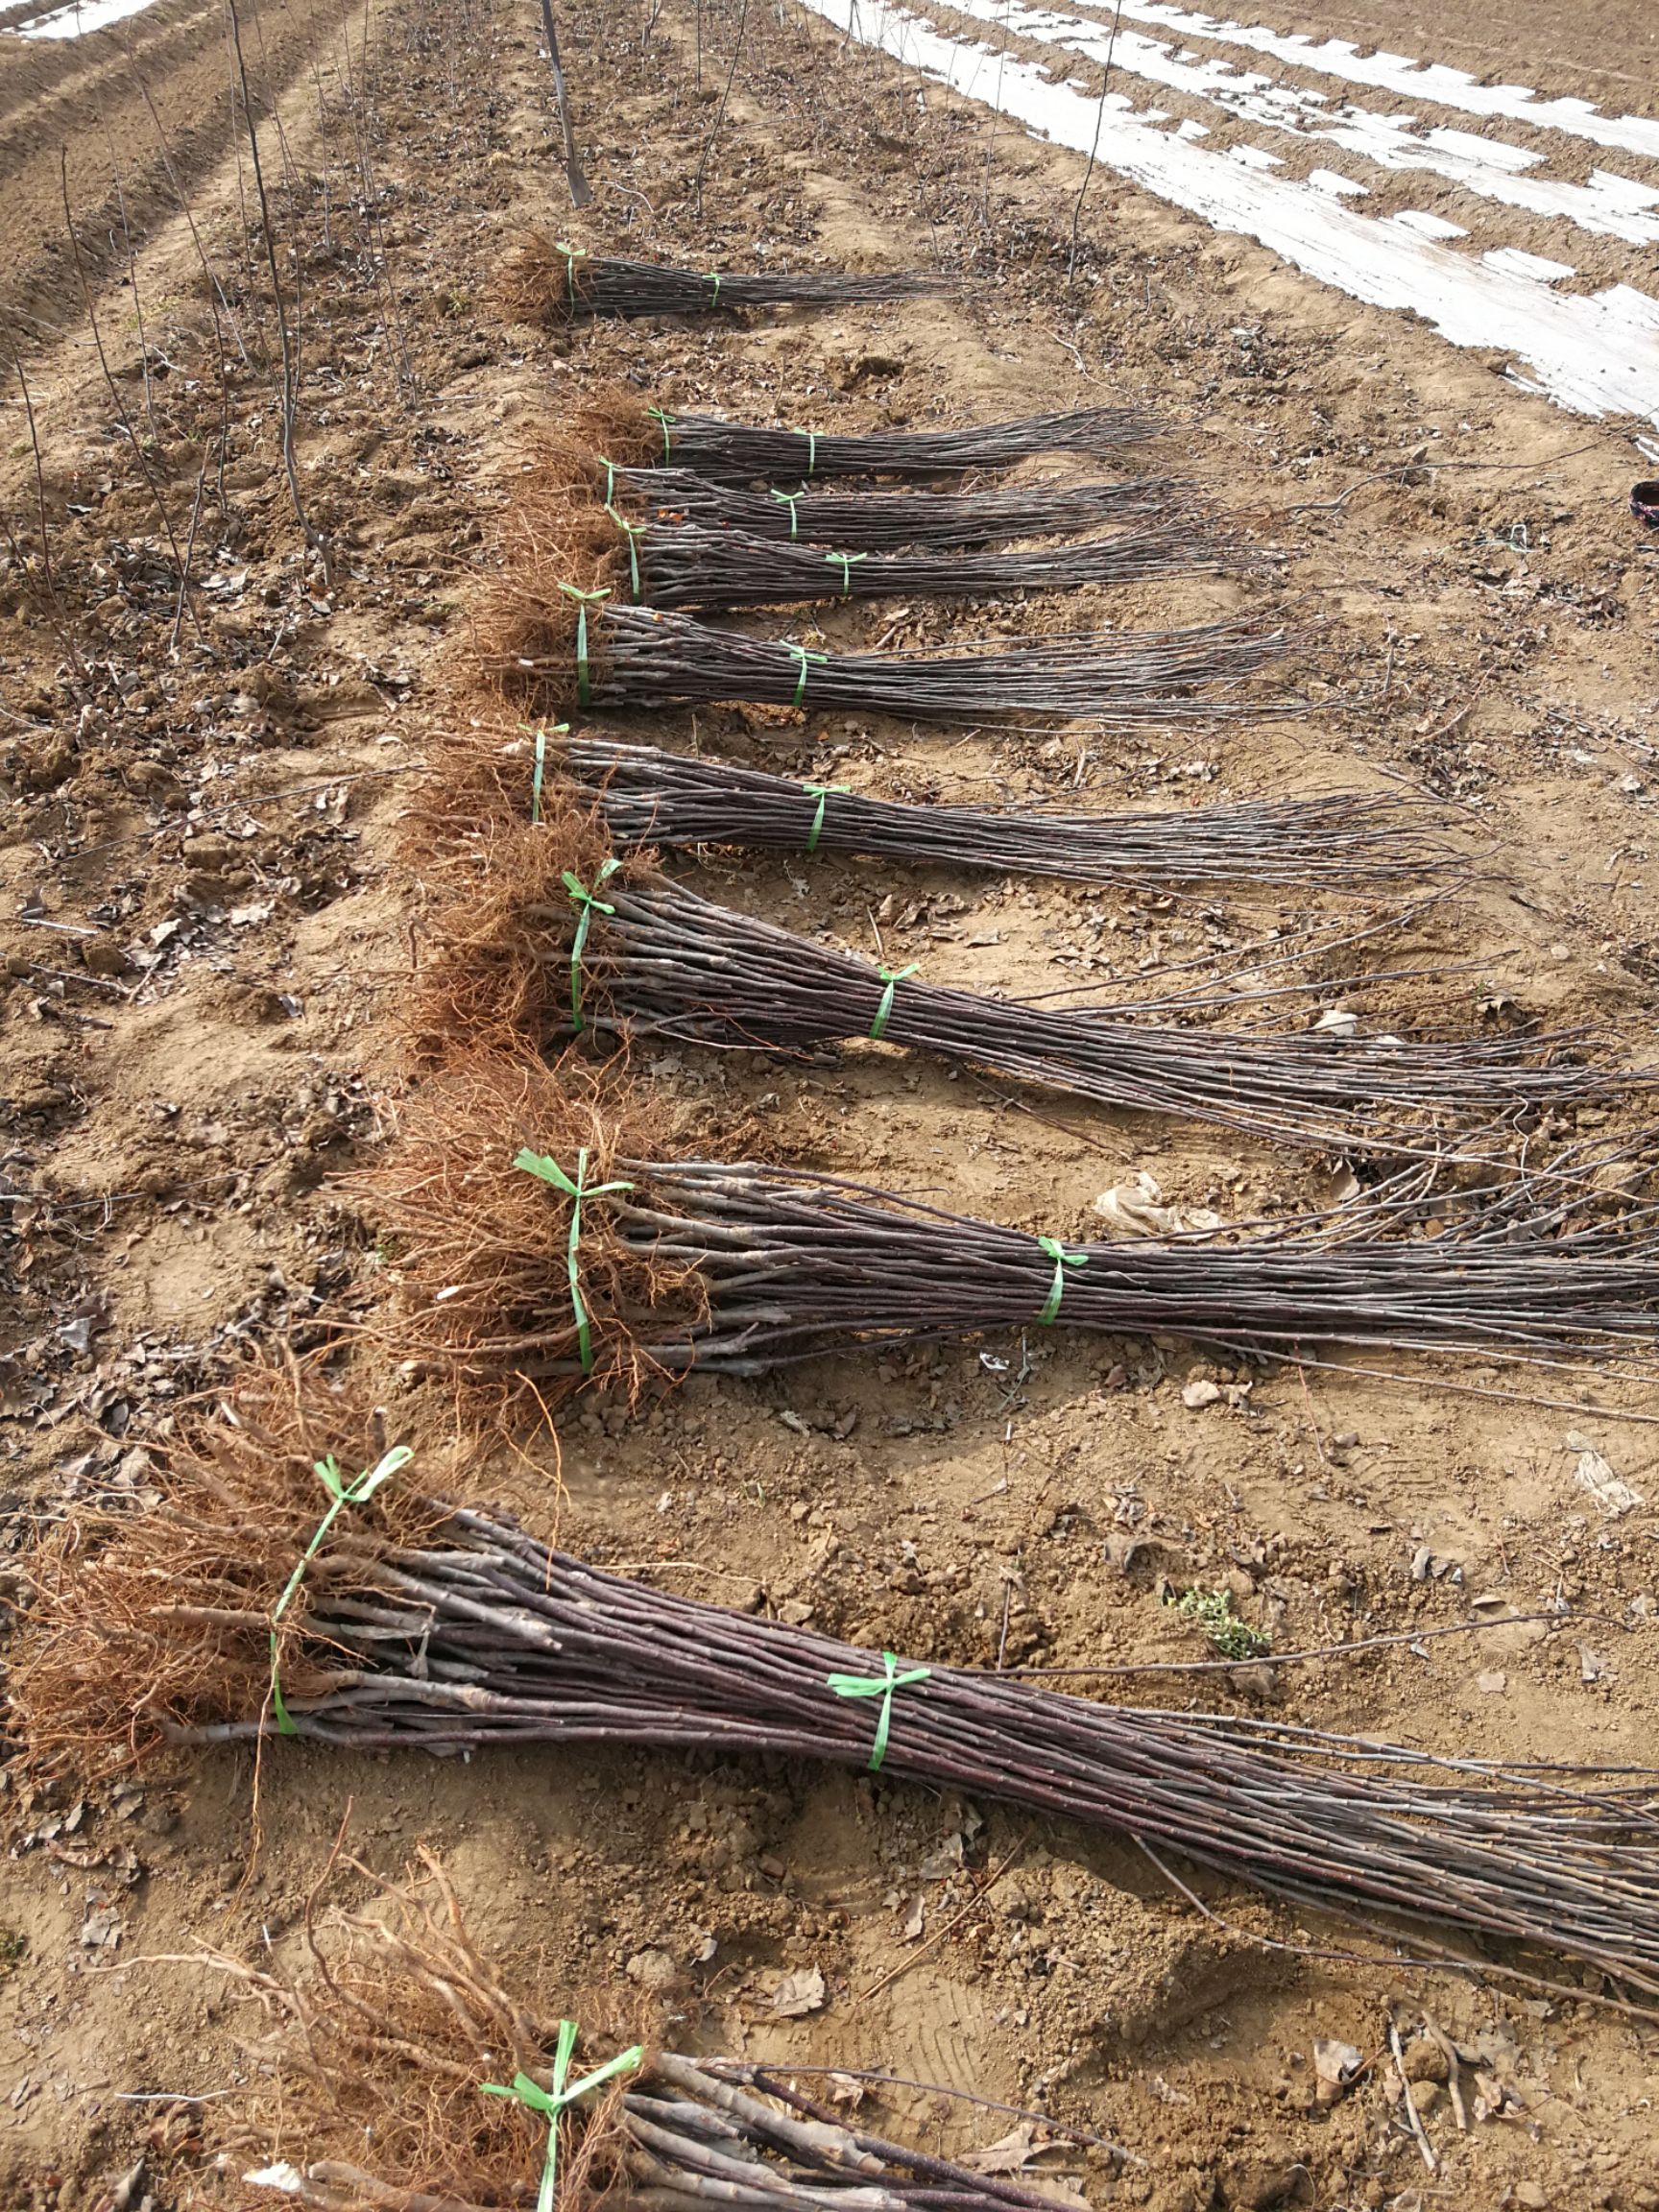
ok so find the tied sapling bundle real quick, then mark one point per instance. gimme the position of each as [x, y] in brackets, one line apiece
[635, 435]
[567, 645]
[466, 1631]
[559, 936]
[548, 1233]
[556, 625]
[544, 280]
[401, 2041]
[675, 565]
[1341, 841]
[878, 521]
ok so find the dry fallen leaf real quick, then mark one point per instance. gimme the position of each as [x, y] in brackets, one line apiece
[1612, 1496]
[1135, 1208]
[1010, 2153]
[798, 1994]
[1336, 2065]
[1014, 2153]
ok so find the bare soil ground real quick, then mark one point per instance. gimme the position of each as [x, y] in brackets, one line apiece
[1603, 51]
[206, 934]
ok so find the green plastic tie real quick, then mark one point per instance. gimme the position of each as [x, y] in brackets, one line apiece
[662, 422]
[1051, 1248]
[341, 1494]
[539, 773]
[610, 478]
[584, 600]
[821, 792]
[632, 530]
[846, 560]
[792, 501]
[587, 901]
[541, 1163]
[801, 654]
[554, 2102]
[714, 277]
[811, 438]
[892, 978]
[881, 1686]
[572, 255]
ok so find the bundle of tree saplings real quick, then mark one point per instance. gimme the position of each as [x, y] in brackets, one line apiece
[634, 434]
[545, 280]
[554, 632]
[678, 565]
[1336, 841]
[683, 1261]
[557, 936]
[227, 1613]
[402, 2069]
[878, 521]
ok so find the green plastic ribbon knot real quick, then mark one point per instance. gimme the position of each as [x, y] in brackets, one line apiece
[714, 277]
[586, 900]
[584, 600]
[543, 1164]
[881, 1686]
[846, 560]
[1051, 1248]
[572, 255]
[892, 978]
[539, 773]
[811, 438]
[821, 792]
[553, 2103]
[802, 656]
[341, 1494]
[662, 422]
[610, 478]
[633, 532]
[792, 501]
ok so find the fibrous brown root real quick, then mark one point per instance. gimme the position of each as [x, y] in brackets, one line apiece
[480, 1288]
[555, 540]
[376, 2052]
[560, 459]
[478, 780]
[533, 279]
[490, 977]
[614, 423]
[137, 1624]
[371, 2071]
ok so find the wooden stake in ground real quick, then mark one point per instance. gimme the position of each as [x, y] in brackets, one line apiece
[581, 191]
[314, 536]
[1094, 149]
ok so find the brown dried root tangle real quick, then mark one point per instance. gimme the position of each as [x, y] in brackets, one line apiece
[480, 1256]
[140, 1625]
[377, 2055]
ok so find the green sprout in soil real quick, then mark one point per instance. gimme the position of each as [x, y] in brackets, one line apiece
[1211, 1612]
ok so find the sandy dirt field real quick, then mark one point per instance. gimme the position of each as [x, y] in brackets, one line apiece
[209, 925]
[1602, 52]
